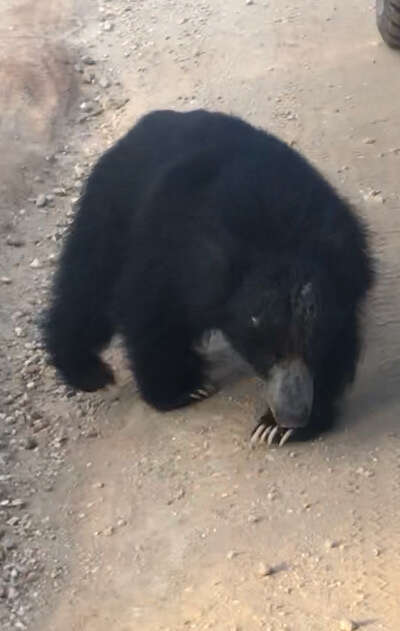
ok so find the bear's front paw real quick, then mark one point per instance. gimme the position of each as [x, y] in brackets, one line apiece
[204, 392]
[267, 431]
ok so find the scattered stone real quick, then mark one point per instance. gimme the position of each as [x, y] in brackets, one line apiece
[12, 593]
[88, 76]
[365, 472]
[348, 625]
[86, 106]
[91, 433]
[369, 141]
[60, 191]
[104, 83]
[374, 196]
[30, 443]
[79, 171]
[41, 200]
[107, 532]
[330, 545]
[9, 543]
[36, 264]
[254, 519]
[17, 503]
[15, 242]
[249, 2]
[231, 555]
[264, 570]
[6, 280]
[89, 61]
[108, 26]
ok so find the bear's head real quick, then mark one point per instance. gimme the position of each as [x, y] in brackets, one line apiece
[284, 323]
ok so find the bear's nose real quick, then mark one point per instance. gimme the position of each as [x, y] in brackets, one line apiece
[290, 393]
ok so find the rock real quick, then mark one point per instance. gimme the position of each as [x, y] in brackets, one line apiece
[89, 61]
[30, 443]
[60, 191]
[330, 545]
[108, 26]
[12, 593]
[348, 625]
[375, 196]
[88, 76]
[365, 472]
[35, 264]
[41, 200]
[264, 570]
[86, 106]
[254, 519]
[104, 83]
[5, 280]
[17, 503]
[9, 543]
[15, 242]
[231, 555]
[107, 532]
[369, 141]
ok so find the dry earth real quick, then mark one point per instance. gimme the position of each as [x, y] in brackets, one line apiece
[114, 517]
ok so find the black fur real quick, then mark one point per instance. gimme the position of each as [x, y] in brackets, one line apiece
[197, 221]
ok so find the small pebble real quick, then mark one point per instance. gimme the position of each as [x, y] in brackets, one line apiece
[348, 625]
[89, 61]
[35, 264]
[15, 242]
[264, 570]
[104, 83]
[253, 519]
[30, 443]
[107, 532]
[330, 545]
[231, 555]
[41, 201]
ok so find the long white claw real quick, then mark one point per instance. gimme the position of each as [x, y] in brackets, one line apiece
[256, 434]
[272, 435]
[203, 392]
[265, 433]
[196, 396]
[285, 437]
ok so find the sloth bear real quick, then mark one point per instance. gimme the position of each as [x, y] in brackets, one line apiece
[198, 221]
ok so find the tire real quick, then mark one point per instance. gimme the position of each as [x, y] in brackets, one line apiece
[388, 21]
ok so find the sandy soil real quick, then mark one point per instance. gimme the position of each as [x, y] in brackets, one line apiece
[114, 517]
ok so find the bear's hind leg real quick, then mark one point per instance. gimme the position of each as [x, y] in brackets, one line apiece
[74, 339]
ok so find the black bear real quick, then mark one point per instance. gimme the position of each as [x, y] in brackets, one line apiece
[198, 221]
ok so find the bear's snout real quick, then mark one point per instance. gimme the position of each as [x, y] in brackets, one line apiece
[289, 392]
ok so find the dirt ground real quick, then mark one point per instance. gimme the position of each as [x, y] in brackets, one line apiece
[114, 517]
